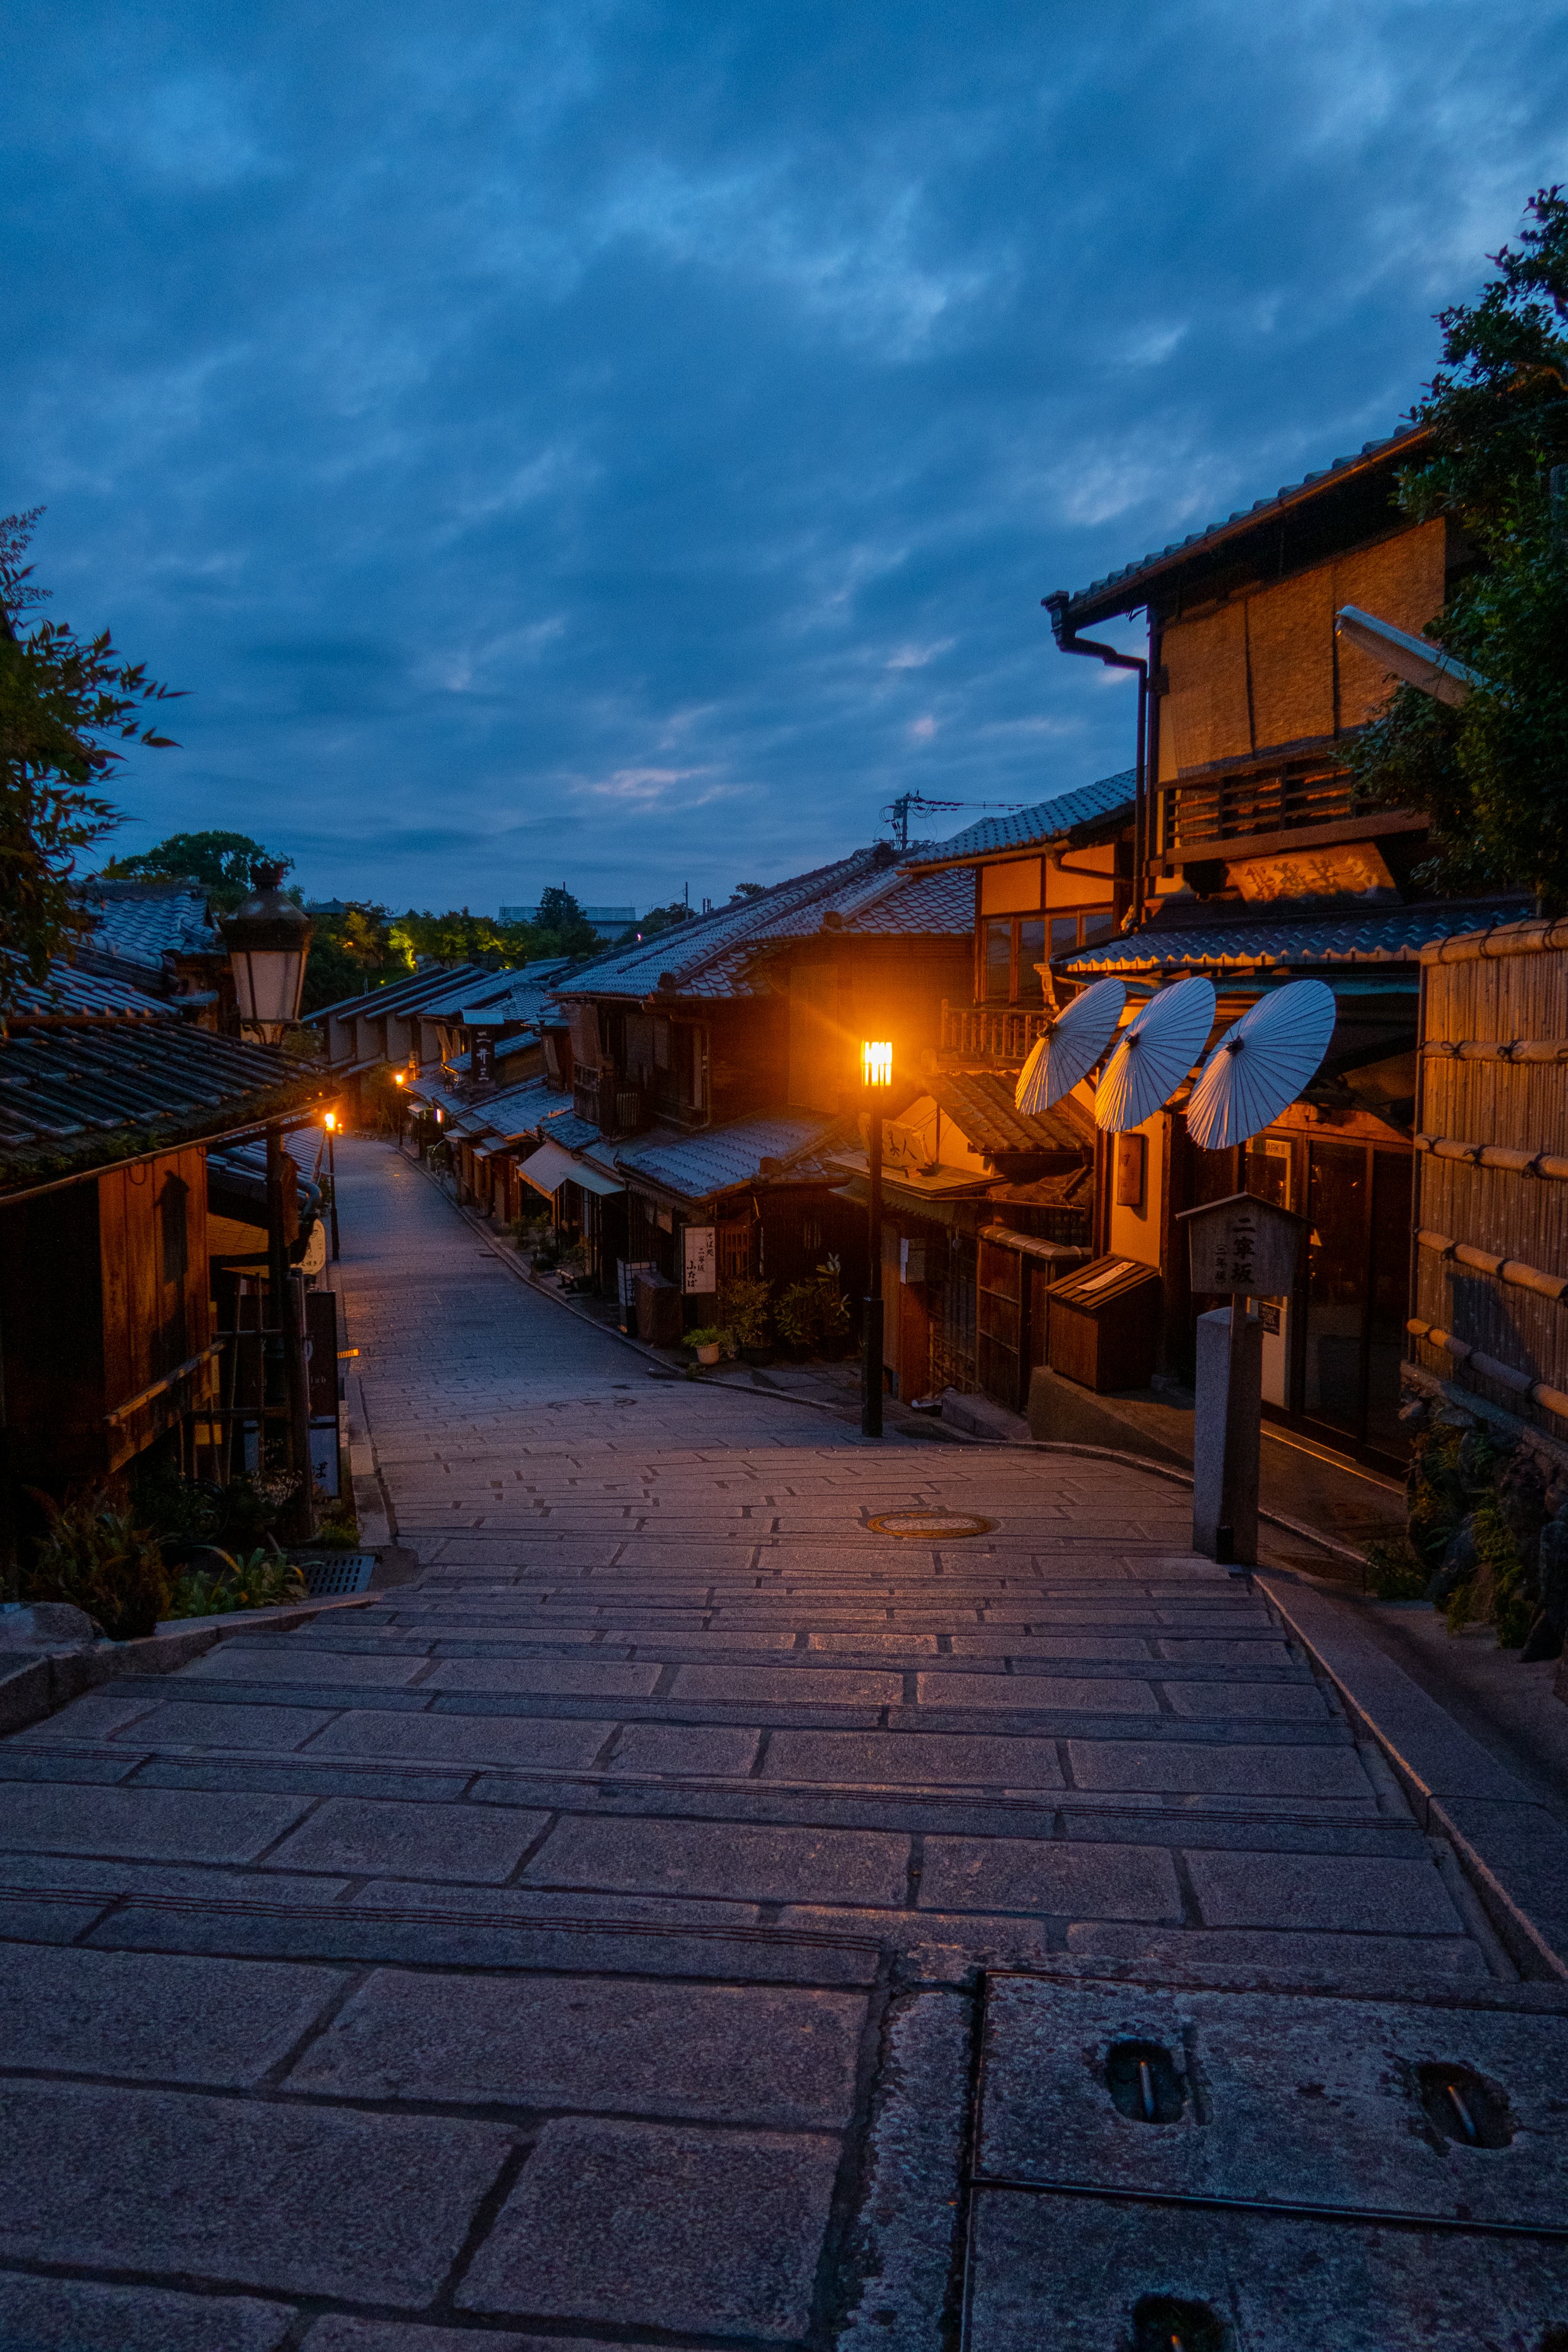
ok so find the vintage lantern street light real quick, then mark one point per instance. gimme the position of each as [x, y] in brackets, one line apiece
[269, 939]
[331, 1123]
[875, 1078]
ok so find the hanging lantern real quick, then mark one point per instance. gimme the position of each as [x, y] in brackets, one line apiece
[269, 939]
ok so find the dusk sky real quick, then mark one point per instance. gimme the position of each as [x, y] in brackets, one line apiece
[625, 445]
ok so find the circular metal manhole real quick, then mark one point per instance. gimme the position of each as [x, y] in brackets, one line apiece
[944, 1527]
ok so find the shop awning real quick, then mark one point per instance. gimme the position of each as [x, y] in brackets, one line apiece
[549, 1168]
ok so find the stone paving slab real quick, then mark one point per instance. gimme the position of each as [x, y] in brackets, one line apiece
[189, 2188]
[1301, 2101]
[721, 2053]
[49, 2315]
[636, 2225]
[1078, 2275]
[224, 2024]
[367, 1834]
[158, 1823]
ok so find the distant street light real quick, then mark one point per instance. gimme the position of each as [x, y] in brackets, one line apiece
[269, 939]
[331, 1123]
[875, 1078]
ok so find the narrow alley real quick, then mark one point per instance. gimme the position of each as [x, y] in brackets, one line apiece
[582, 1939]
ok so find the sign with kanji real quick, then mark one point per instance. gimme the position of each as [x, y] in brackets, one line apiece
[482, 1059]
[699, 1262]
[1244, 1247]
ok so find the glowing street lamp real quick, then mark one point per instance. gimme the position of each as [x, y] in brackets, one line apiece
[875, 1078]
[269, 939]
[330, 1121]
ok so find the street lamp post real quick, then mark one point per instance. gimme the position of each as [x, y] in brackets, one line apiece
[331, 1124]
[876, 1078]
[269, 939]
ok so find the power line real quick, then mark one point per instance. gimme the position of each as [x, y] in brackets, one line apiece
[896, 812]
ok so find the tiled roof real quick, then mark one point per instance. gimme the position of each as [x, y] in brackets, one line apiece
[689, 950]
[697, 1166]
[427, 985]
[1246, 518]
[980, 1104]
[141, 922]
[76, 997]
[887, 902]
[1047, 820]
[1397, 936]
[78, 1095]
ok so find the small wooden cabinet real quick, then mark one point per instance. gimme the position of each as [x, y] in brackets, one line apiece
[1105, 1324]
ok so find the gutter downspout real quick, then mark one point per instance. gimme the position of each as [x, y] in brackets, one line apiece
[1069, 642]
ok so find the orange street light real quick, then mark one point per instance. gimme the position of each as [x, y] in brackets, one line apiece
[330, 1121]
[875, 1077]
[400, 1077]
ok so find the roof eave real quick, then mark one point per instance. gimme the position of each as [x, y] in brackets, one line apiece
[1127, 591]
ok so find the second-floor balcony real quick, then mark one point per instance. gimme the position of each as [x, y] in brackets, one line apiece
[1235, 811]
[995, 1035]
[617, 1106]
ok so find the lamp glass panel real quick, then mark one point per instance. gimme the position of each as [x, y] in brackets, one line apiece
[877, 1063]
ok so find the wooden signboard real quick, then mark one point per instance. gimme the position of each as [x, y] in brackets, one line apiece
[700, 1261]
[1244, 1247]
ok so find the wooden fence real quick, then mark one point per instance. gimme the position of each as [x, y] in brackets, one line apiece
[1489, 1287]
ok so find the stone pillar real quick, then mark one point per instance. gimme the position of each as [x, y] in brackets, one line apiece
[1225, 1438]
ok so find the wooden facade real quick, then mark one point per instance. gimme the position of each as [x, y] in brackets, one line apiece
[1490, 1294]
[105, 1316]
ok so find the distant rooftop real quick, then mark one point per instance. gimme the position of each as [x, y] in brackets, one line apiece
[1047, 820]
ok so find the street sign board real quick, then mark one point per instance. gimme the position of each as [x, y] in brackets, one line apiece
[699, 1262]
[1243, 1246]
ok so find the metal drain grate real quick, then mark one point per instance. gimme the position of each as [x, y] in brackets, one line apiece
[945, 1527]
[348, 1571]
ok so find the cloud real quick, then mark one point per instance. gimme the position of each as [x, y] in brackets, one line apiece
[524, 430]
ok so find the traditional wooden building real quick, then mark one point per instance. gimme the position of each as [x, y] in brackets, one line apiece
[107, 1101]
[1251, 863]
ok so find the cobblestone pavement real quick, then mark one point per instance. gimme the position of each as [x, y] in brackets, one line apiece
[578, 1944]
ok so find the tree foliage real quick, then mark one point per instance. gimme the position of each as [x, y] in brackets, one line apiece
[350, 953]
[659, 919]
[561, 928]
[1493, 773]
[227, 864]
[67, 703]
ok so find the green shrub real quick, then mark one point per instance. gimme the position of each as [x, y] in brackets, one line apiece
[835, 1320]
[743, 1310]
[95, 1556]
[799, 1315]
[1394, 1571]
[1496, 1593]
[257, 1580]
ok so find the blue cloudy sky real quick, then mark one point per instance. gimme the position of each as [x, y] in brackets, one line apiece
[626, 444]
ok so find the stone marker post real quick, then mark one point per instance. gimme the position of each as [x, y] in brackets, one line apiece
[1248, 1248]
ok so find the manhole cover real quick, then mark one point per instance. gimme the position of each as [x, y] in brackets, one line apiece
[930, 1525]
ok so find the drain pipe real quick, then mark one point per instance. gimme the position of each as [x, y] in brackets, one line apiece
[1069, 642]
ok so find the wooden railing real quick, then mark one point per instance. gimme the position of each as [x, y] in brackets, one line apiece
[1230, 808]
[991, 1032]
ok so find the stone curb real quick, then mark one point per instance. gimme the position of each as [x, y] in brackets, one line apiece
[43, 1683]
[1503, 1836]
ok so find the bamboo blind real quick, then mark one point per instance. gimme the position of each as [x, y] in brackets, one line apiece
[1493, 1119]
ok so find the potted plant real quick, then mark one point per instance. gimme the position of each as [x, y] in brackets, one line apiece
[799, 1319]
[743, 1310]
[707, 1341]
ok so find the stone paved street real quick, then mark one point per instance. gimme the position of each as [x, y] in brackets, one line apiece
[542, 1952]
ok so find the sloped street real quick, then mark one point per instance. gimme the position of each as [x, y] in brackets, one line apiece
[579, 1943]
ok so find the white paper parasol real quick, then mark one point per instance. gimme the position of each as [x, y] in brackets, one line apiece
[1070, 1046]
[1155, 1055]
[1261, 1065]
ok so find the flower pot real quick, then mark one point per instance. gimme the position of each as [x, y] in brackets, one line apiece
[710, 1352]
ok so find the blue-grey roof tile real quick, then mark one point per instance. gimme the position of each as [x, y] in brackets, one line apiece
[1047, 820]
[697, 1166]
[1393, 937]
